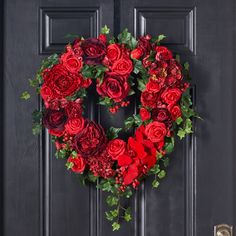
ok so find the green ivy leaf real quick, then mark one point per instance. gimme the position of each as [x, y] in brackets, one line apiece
[36, 128]
[186, 66]
[105, 101]
[141, 85]
[37, 116]
[161, 174]
[181, 133]
[160, 37]
[129, 123]
[137, 120]
[155, 170]
[127, 215]
[177, 58]
[155, 183]
[179, 120]
[92, 178]
[25, 95]
[88, 71]
[112, 133]
[115, 226]
[169, 145]
[69, 165]
[112, 200]
[166, 161]
[109, 216]
[105, 30]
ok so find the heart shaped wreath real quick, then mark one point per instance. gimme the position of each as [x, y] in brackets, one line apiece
[115, 165]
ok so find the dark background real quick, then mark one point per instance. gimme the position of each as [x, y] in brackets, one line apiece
[39, 197]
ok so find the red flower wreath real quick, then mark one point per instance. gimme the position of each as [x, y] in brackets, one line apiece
[116, 65]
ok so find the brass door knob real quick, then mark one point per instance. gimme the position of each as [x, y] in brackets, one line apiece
[223, 230]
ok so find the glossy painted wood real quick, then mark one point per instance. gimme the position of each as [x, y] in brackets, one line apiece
[40, 198]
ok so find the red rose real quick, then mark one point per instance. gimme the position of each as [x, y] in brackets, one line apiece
[171, 95]
[163, 53]
[86, 83]
[94, 51]
[156, 131]
[153, 86]
[46, 92]
[136, 53]
[113, 52]
[175, 112]
[74, 126]
[91, 140]
[144, 114]
[144, 44]
[115, 148]
[71, 62]
[122, 66]
[74, 109]
[78, 164]
[55, 120]
[162, 115]
[149, 99]
[61, 82]
[114, 86]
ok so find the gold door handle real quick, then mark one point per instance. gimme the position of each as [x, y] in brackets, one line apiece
[223, 230]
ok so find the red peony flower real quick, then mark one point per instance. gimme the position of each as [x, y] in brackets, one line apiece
[55, 120]
[113, 52]
[74, 126]
[149, 99]
[78, 164]
[156, 131]
[163, 53]
[144, 44]
[171, 95]
[71, 61]
[136, 53]
[123, 66]
[175, 112]
[115, 148]
[91, 140]
[114, 86]
[61, 82]
[144, 114]
[94, 51]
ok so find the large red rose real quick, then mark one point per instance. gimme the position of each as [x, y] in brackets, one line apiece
[149, 99]
[123, 66]
[91, 140]
[78, 164]
[74, 126]
[171, 95]
[94, 51]
[61, 82]
[71, 61]
[115, 148]
[113, 52]
[152, 86]
[55, 120]
[114, 86]
[162, 53]
[156, 131]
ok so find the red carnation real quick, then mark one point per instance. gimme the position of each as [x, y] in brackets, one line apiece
[114, 86]
[91, 140]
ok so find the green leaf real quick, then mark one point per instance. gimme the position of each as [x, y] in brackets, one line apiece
[100, 71]
[131, 92]
[161, 174]
[37, 116]
[92, 178]
[188, 126]
[115, 226]
[166, 161]
[105, 101]
[186, 66]
[177, 58]
[137, 120]
[155, 170]
[109, 216]
[112, 200]
[112, 133]
[62, 154]
[155, 183]
[114, 213]
[36, 128]
[141, 85]
[88, 71]
[127, 215]
[181, 133]
[169, 145]
[129, 123]
[160, 37]
[71, 36]
[105, 30]
[69, 165]
[179, 120]
[128, 193]
[25, 95]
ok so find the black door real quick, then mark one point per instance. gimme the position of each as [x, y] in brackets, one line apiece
[40, 198]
